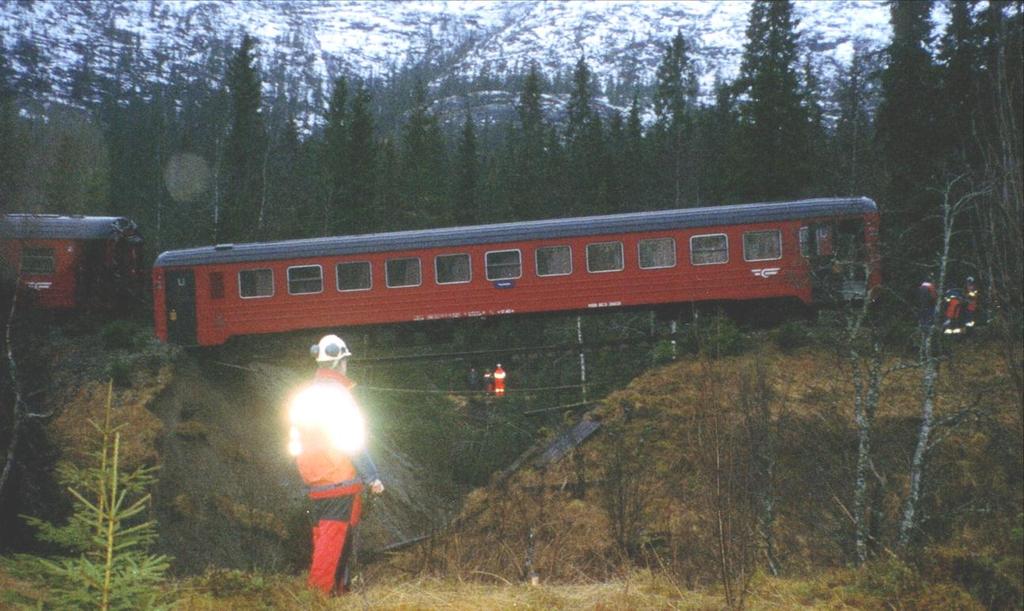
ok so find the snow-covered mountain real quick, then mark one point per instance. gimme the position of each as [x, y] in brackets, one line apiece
[311, 42]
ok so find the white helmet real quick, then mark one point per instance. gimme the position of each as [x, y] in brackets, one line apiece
[330, 348]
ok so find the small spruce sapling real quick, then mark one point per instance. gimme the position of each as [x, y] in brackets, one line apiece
[110, 567]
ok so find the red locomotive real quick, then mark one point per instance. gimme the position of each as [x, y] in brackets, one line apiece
[70, 262]
[810, 250]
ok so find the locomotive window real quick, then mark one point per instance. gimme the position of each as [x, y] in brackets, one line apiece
[553, 261]
[709, 249]
[604, 257]
[305, 279]
[451, 269]
[762, 245]
[217, 285]
[805, 241]
[37, 261]
[656, 253]
[353, 276]
[504, 264]
[255, 283]
[403, 272]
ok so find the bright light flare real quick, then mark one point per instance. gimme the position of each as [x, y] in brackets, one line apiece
[323, 414]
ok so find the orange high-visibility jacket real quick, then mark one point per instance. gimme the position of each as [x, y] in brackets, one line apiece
[319, 462]
[499, 381]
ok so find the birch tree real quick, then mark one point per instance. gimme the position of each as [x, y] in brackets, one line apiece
[953, 206]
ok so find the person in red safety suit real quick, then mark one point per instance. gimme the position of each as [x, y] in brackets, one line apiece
[499, 381]
[971, 310]
[328, 439]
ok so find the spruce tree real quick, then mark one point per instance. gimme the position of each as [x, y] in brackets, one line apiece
[815, 139]
[906, 130]
[107, 534]
[578, 109]
[425, 193]
[614, 165]
[854, 167]
[8, 125]
[466, 190]
[721, 147]
[674, 127]
[773, 116]
[584, 147]
[244, 151]
[361, 153]
[960, 64]
[335, 161]
[526, 154]
[633, 162]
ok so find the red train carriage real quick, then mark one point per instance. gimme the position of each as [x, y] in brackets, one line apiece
[804, 250]
[70, 262]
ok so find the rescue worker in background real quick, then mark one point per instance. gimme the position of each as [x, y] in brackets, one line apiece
[328, 440]
[926, 296]
[499, 381]
[971, 308]
[488, 382]
[473, 379]
[954, 303]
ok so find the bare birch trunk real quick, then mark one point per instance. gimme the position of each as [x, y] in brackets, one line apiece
[930, 365]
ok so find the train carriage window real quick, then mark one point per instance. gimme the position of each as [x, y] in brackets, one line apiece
[216, 285]
[255, 283]
[657, 253]
[503, 264]
[402, 272]
[37, 261]
[804, 236]
[604, 257]
[553, 260]
[709, 249]
[762, 245]
[452, 269]
[305, 279]
[354, 276]
[824, 240]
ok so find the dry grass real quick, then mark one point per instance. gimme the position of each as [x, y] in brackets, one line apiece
[250, 517]
[660, 418]
[140, 427]
[191, 429]
[640, 590]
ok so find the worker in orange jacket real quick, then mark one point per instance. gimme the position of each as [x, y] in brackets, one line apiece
[499, 381]
[328, 440]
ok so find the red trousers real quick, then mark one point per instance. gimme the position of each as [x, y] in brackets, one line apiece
[336, 518]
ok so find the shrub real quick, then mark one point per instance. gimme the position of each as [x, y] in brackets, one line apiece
[790, 336]
[118, 334]
[721, 337]
[119, 371]
[663, 352]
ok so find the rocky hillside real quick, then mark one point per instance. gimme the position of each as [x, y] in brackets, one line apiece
[58, 47]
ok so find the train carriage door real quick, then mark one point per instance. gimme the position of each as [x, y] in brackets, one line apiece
[852, 257]
[180, 291]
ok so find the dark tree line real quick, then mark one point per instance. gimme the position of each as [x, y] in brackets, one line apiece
[226, 158]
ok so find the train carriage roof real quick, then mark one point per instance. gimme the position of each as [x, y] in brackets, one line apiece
[63, 227]
[525, 230]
